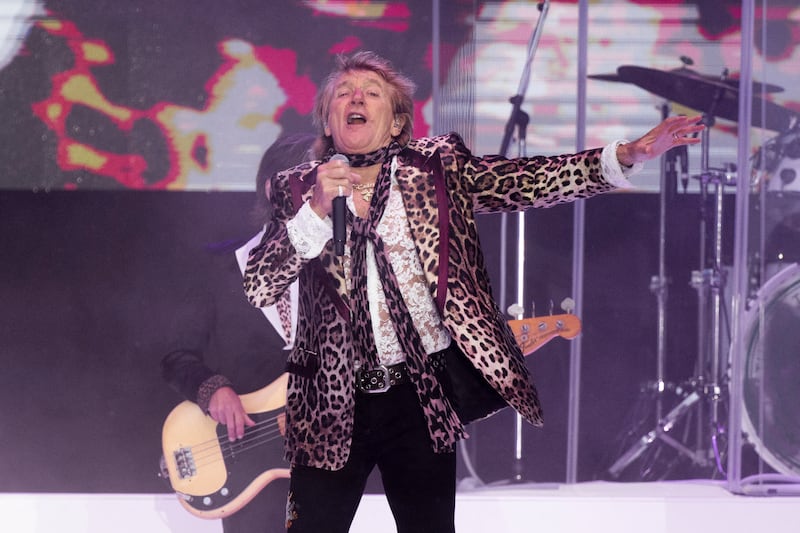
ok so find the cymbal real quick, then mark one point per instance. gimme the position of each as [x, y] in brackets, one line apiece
[758, 87]
[607, 77]
[702, 93]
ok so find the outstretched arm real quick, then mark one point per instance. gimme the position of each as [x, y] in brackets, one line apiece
[672, 132]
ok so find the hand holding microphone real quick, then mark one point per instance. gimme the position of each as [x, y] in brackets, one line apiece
[330, 196]
[338, 215]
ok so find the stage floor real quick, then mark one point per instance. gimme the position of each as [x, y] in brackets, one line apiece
[679, 506]
[684, 507]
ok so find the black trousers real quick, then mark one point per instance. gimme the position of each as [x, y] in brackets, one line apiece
[389, 433]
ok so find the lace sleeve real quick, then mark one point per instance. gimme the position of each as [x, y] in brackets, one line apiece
[309, 233]
[613, 171]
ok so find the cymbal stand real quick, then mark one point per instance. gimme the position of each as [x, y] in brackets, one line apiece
[709, 283]
[659, 287]
[659, 283]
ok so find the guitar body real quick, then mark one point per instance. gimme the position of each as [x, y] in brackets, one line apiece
[212, 476]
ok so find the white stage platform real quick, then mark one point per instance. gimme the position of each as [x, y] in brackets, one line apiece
[597, 507]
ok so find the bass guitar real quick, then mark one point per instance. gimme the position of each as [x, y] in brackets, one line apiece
[212, 476]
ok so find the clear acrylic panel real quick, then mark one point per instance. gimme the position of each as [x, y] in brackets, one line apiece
[722, 242]
[766, 358]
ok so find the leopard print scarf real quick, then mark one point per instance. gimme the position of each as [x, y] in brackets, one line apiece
[367, 160]
[438, 411]
[363, 231]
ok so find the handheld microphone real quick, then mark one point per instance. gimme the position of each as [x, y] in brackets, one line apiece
[339, 207]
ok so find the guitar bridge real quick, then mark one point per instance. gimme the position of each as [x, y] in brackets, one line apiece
[184, 460]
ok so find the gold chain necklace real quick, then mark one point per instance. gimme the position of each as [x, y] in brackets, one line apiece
[366, 190]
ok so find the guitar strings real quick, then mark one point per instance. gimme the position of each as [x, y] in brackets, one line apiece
[211, 444]
[261, 429]
[241, 446]
[206, 453]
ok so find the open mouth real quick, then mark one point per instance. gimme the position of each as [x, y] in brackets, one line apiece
[356, 118]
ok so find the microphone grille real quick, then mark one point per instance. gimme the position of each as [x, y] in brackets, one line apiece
[340, 157]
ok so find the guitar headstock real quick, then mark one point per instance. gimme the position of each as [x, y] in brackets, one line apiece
[532, 333]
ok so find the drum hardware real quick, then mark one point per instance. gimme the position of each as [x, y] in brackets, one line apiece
[628, 76]
[787, 176]
[703, 395]
[771, 424]
[776, 206]
[659, 283]
[775, 163]
[785, 167]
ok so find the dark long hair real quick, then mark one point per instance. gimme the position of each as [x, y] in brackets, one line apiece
[287, 151]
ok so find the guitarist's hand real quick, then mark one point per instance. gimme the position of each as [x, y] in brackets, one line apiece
[225, 407]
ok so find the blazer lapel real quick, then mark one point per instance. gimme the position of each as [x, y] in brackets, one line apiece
[428, 216]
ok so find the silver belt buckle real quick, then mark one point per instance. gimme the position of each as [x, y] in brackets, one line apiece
[373, 379]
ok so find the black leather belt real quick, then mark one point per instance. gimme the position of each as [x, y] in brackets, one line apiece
[381, 378]
[438, 361]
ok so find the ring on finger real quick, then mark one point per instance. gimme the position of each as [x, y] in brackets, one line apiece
[340, 191]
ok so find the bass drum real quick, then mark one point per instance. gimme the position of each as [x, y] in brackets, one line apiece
[771, 412]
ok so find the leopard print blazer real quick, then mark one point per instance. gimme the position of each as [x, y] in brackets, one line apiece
[443, 187]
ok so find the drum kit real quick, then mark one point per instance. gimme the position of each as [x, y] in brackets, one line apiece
[771, 420]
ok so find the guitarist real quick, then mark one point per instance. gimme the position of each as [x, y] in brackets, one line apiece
[223, 347]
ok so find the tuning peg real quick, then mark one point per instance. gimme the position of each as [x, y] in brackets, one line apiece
[515, 310]
[568, 305]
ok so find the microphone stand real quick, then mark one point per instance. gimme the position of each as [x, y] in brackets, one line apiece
[517, 99]
[518, 121]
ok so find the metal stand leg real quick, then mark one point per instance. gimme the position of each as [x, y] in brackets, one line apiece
[659, 284]
[705, 389]
[659, 287]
